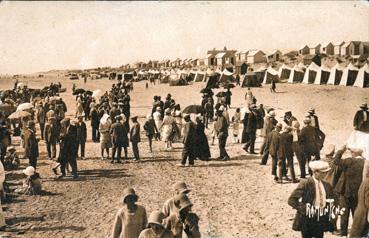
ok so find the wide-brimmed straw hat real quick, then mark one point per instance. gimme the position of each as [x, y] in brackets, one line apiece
[181, 187]
[156, 217]
[319, 165]
[356, 151]
[29, 171]
[311, 110]
[272, 113]
[329, 150]
[127, 192]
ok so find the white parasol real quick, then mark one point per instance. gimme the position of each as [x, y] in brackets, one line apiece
[24, 106]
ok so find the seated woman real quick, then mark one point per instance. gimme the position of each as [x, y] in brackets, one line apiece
[32, 184]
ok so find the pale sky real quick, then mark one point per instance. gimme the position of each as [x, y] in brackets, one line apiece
[40, 36]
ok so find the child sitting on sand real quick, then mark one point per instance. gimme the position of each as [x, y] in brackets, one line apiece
[32, 184]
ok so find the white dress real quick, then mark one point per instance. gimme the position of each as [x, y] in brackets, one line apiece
[157, 118]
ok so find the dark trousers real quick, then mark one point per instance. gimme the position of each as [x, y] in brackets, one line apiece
[188, 152]
[350, 204]
[72, 161]
[306, 157]
[312, 229]
[32, 161]
[51, 149]
[264, 158]
[95, 134]
[135, 150]
[274, 164]
[42, 127]
[81, 144]
[262, 147]
[2, 152]
[207, 118]
[250, 143]
[116, 150]
[283, 164]
[297, 152]
[222, 141]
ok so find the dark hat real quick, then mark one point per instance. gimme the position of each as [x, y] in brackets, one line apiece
[364, 106]
[129, 192]
[289, 113]
[134, 118]
[184, 202]
[30, 123]
[118, 117]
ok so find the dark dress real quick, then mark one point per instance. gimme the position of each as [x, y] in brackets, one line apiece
[202, 150]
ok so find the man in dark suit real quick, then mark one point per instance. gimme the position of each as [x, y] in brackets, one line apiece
[221, 128]
[120, 139]
[81, 135]
[273, 143]
[250, 122]
[269, 123]
[314, 118]
[95, 121]
[31, 144]
[135, 137]
[114, 112]
[51, 135]
[285, 154]
[309, 144]
[361, 119]
[348, 184]
[68, 147]
[189, 139]
[41, 118]
[310, 194]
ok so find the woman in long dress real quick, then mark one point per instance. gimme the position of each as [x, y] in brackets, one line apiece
[167, 128]
[178, 118]
[131, 219]
[79, 110]
[158, 121]
[202, 150]
[105, 139]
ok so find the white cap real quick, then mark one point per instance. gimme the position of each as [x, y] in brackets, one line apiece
[319, 165]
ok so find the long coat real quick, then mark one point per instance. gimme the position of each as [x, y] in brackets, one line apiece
[135, 133]
[81, 132]
[202, 149]
[250, 122]
[308, 139]
[30, 144]
[189, 133]
[269, 123]
[306, 192]
[51, 133]
[285, 147]
[359, 122]
[119, 134]
[221, 127]
[273, 143]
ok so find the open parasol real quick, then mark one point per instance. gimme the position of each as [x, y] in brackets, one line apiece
[193, 109]
[24, 106]
[206, 90]
[97, 94]
[19, 114]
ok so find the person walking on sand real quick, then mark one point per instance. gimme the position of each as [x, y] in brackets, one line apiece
[155, 227]
[81, 136]
[170, 206]
[167, 129]
[236, 119]
[131, 219]
[135, 137]
[273, 86]
[158, 121]
[150, 129]
[51, 137]
[31, 144]
[273, 143]
[189, 137]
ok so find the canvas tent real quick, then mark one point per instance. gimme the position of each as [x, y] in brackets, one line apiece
[284, 72]
[336, 74]
[323, 75]
[226, 77]
[260, 72]
[296, 75]
[200, 76]
[250, 80]
[271, 74]
[349, 75]
[362, 79]
[311, 73]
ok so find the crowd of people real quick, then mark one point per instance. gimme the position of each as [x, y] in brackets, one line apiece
[114, 128]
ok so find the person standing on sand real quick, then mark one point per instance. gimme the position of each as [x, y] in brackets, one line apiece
[361, 119]
[81, 136]
[273, 143]
[273, 86]
[131, 219]
[119, 136]
[31, 144]
[314, 193]
[221, 129]
[135, 137]
[104, 129]
[189, 137]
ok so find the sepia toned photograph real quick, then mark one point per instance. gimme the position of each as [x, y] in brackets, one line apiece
[184, 119]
